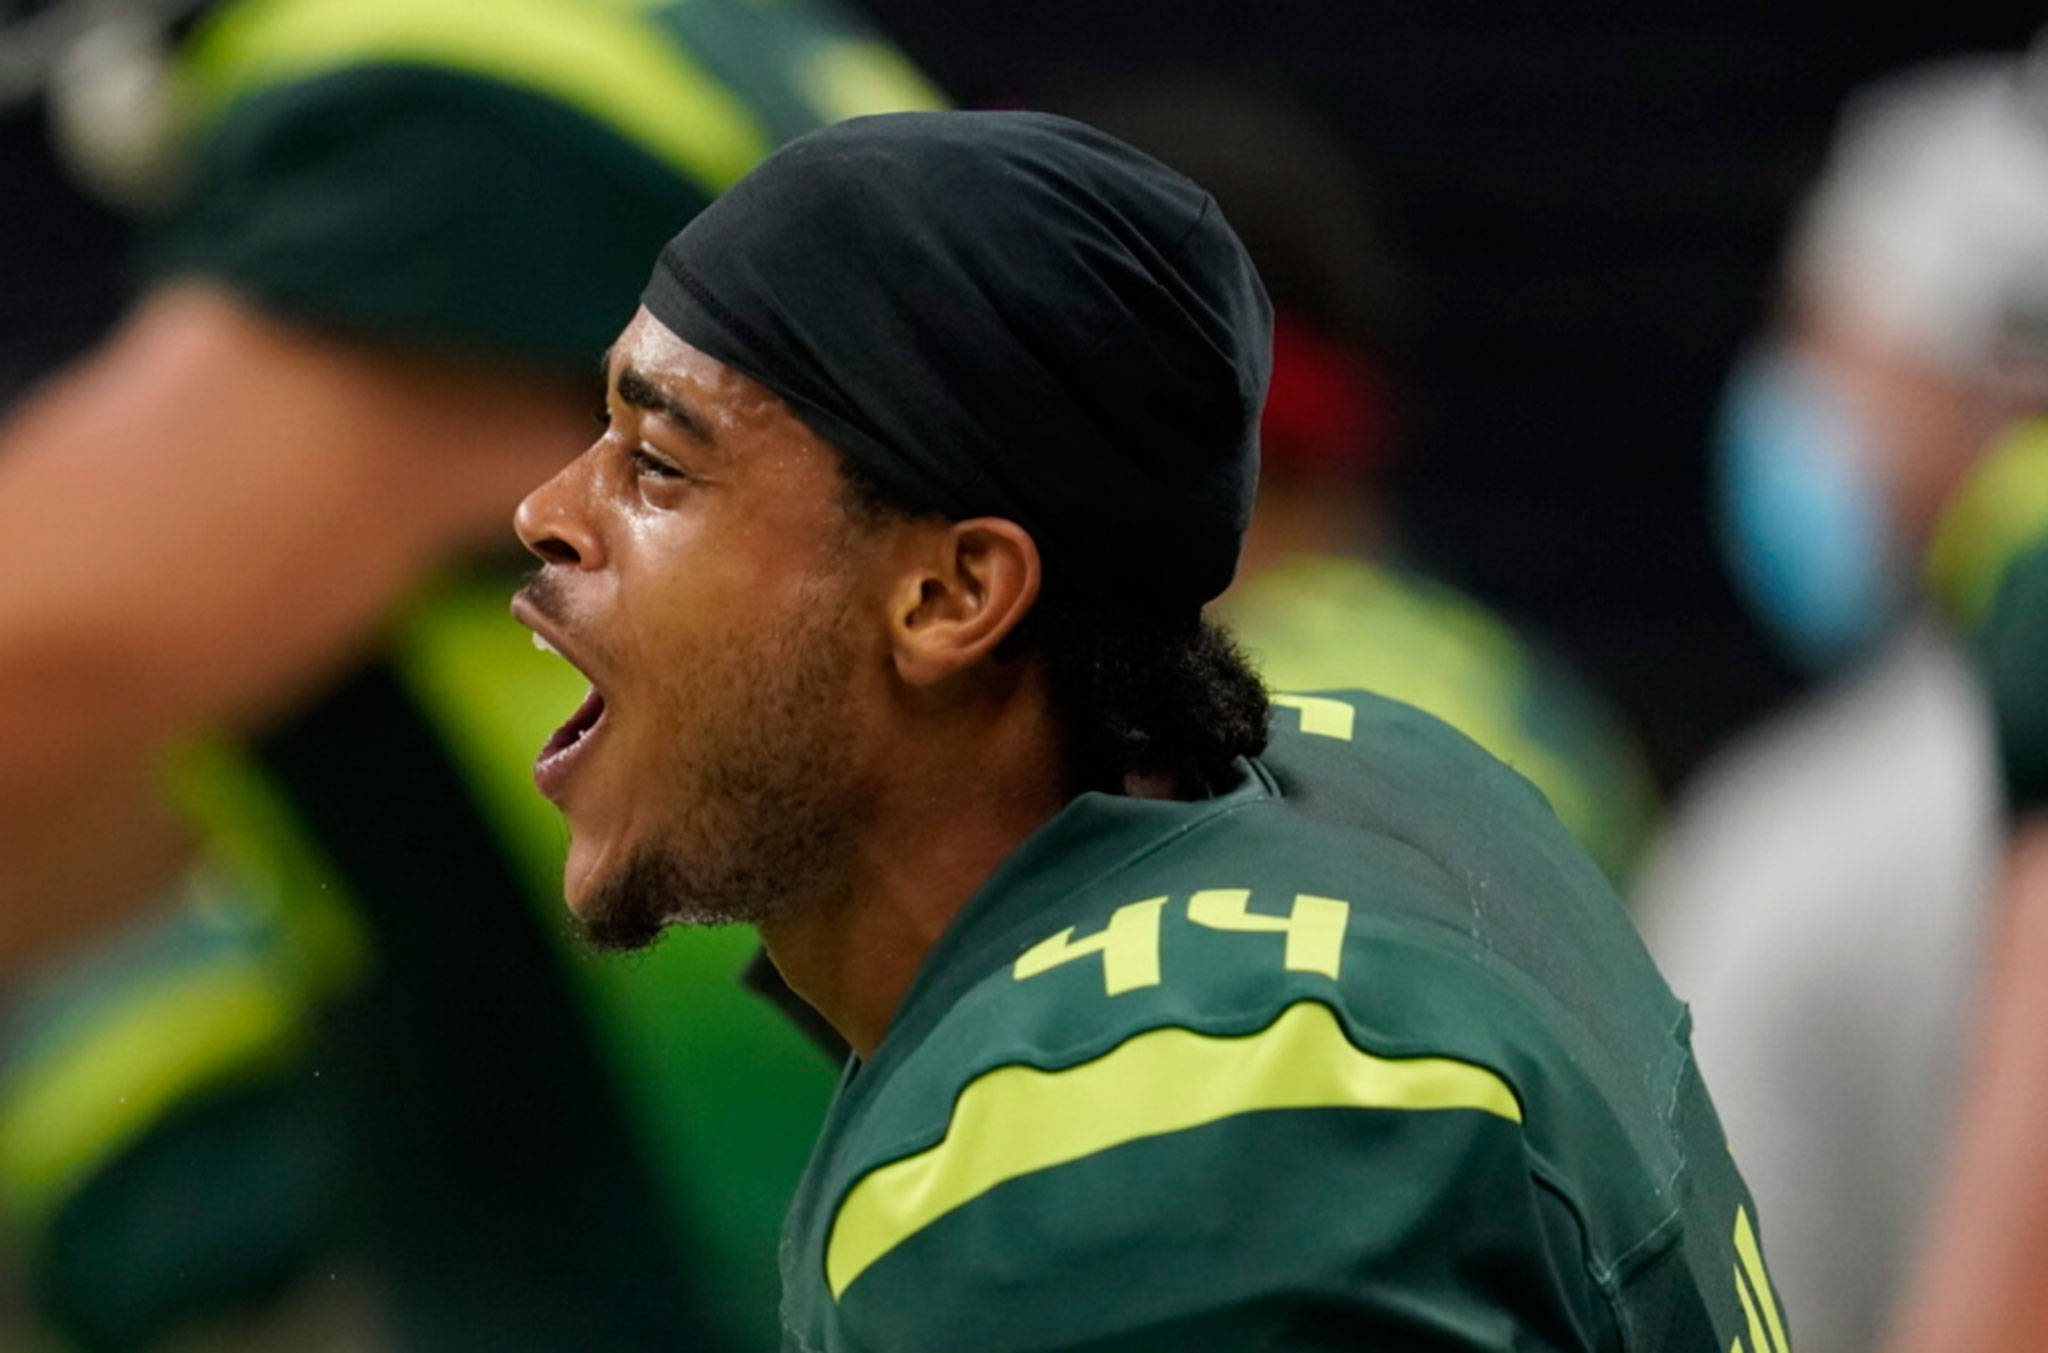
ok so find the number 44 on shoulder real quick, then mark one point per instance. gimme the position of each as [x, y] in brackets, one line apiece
[1129, 944]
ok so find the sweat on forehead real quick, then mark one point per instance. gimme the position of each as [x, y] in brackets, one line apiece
[645, 393]
[1008, 314]
[651, 370]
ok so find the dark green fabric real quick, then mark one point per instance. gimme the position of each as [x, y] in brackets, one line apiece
[1478, 931]
[419, 205]
[1007, 314]
[2012, 647]
[250, 1179]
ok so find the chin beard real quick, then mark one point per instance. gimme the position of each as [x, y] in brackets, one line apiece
[630, 910]
[627, 911]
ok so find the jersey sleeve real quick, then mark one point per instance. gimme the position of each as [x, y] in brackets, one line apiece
[1285, 1188]
[1990, 566]
[442, 174]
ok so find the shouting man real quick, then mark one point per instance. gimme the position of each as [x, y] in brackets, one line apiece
[923, 453]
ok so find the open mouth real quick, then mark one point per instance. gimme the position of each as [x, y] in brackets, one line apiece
[559, 754]
[566, 745]
[576, 727]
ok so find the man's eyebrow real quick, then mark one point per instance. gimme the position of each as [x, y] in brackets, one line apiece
[640, 391]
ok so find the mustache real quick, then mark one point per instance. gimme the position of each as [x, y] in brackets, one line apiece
[543, 591]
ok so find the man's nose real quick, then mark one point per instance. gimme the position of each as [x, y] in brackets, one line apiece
[555, 522]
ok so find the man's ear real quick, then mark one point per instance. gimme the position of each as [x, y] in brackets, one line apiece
[972, 582]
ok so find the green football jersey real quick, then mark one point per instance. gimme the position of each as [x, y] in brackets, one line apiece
[1363, 1054]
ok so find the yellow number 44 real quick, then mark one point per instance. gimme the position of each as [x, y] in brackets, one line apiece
[1314, 928]
[1129, 944]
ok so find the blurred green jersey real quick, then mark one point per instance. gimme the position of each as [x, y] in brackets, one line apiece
[370, 1040]
[493, 177]
[1335, 621]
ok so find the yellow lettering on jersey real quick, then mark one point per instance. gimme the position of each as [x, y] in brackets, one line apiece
[1314, 928]
[1321, 716]
[1752, 1257]
[1129, 946]
[1017, 1120]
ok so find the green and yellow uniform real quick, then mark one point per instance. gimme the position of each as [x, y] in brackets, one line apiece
[1990, 565]
[1362, 1054]
[496, 176]
[368, 1042]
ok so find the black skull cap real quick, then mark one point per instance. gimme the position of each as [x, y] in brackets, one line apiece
[1003, 314]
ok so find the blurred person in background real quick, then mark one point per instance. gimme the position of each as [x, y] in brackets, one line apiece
[350, 1049]
[1822, 895]
[1319, 600]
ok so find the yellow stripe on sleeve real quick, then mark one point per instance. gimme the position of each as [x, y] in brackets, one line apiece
[1756, 1325]
[1752, 1268]
[607, 63]
[853, 79]
[1017, 1120]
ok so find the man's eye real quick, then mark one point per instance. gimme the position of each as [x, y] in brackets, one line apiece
[653, 467]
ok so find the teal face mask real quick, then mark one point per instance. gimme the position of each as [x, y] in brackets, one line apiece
[1804, 519]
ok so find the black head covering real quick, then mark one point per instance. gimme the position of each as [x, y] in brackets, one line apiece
[1008, 314]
